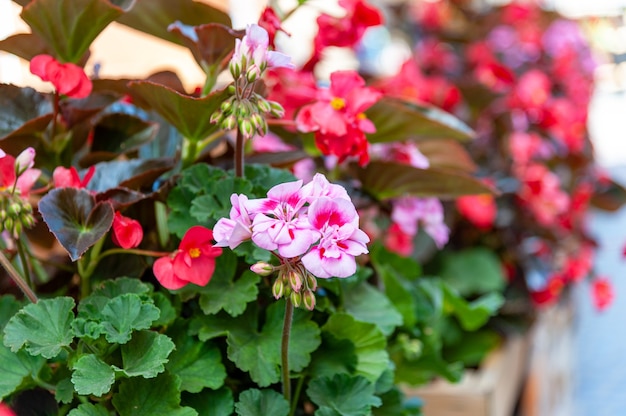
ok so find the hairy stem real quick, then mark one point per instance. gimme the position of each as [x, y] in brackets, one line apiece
[239, 154]
[284, 351]
[19, 281]
[296, 395]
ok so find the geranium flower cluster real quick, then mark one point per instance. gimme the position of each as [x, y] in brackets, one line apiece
[312, 229]
[245, 108]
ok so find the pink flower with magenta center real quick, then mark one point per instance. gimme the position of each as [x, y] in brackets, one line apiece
[238, 228]
[281, 223]
[342, 240]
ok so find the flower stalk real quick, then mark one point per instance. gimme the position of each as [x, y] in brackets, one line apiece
[284, 350]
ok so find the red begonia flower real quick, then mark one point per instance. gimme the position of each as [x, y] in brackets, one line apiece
[127, 232]
[68, 79]
[480, 210]
[193, 262]
[68, 178]
[6, 410]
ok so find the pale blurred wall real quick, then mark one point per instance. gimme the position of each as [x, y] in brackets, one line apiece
[120, 51]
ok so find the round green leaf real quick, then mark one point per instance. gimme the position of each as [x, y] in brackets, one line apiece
[256, 402]
[44, 327]
[92, 376]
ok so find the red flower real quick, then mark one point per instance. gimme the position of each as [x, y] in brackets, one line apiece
[68, 79]
[193, 262]
[480, 210]
[271, 23]
[338, 117]
[68, 178]
[398, 241]
[549, 294]
[127, 233]
[602, 293]
[344, 31]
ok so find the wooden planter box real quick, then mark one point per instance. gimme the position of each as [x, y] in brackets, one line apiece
[492, 390]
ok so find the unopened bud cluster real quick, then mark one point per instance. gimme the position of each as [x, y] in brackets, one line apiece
[246, 111]
[293, 281]
[15, 213]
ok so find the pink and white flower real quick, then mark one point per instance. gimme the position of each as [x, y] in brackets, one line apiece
[238, 228]
[342, 240]
[409, 211]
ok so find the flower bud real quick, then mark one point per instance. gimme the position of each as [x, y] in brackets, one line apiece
[308, 298]
[25, 160]
[277, 110]
[296, 299]
[227, 105]
[259, 123]
[14, 209]
[216, 117]
[295, 280]
[311, 281]
[246, 128]
[8, 223]
[235, 69]
[262, 268]
[254, 73]
[229, 122]
[262, 104]
[278, 288]
[17, 229]
[243, 109]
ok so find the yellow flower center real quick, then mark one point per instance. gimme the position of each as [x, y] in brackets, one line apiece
[361, 116]
[337, 103]
[194, 253]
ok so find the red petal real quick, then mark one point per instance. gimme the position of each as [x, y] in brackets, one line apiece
[39, 65]
[163, 270]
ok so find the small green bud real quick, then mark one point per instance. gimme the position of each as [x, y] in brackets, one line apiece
[311, 281]
[15, 209]
[229, 122]
[277, 110]
[246, 128]
[231, 89]
[278, 288]
[235, 69]
[308, 298]
[216, 117]
[262, 104]
[8, 224]
[253, 73]
[295, 280]
[296, 299]
[259, 123]
[262, 269]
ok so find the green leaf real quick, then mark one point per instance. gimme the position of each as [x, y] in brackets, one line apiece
[334, 356]
[211, 402]
[69, 26]
[343, 395]
[397, 120]
[228, 294]
[154, 396]
[92, 376]
[9, 306]
[64, 392]
[369, 343]
[75, 219]
[15, 367]
[146, 354]
[155, 16]
[254, 402]
[447, 154]
[472, 271]
[473, 348]
[473, 315]
[212, 326]
[124, 314]
[216, 203]
[385, 180]
[367, 304]
[113, 288]
[259, 352]
[264, 177]
[44, 328]
[197, 363]
[190, 115]
[88, 409]
[18, 107]
[168, 311]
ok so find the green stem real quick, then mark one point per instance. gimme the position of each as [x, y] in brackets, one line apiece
[22, 254]
[212, 137]
[239, 154]
[163, 232]
[17, 278]
[141, 252]
[190, 152]
[296, 396]
[85, 271]
[284, 352]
